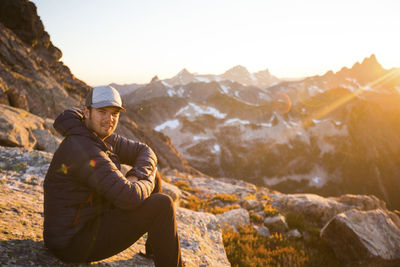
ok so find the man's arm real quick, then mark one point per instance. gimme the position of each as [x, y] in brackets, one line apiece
[138, 155]
[96, 169]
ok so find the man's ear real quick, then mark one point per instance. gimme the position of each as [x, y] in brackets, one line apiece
[86, 112]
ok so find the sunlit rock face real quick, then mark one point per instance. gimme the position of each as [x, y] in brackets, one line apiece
[332, 134]
[30, 68]
[369, 238]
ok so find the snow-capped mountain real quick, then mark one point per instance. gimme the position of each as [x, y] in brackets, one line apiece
[238, 74]
[323, 134]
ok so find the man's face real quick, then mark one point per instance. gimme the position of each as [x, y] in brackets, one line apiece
[102, 121]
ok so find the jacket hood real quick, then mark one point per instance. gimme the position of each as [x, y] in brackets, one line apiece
[71, 122]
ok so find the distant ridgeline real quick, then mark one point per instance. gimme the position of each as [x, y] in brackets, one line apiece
[332, 134]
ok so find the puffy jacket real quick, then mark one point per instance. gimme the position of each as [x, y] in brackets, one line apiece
[84, 178]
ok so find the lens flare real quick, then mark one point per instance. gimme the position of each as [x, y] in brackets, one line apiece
[92, 163]
[63, 169]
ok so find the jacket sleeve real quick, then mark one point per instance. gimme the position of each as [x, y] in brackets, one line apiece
[97, 170]
[138, 155]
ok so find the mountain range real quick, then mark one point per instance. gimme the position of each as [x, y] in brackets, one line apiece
[333, 134]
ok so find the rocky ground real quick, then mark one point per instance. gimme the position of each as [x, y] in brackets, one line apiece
[21, 218]
[358, 229]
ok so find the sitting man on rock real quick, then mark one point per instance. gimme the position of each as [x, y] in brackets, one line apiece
[91, 210]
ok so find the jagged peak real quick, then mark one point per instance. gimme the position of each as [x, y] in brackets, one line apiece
[184, 71]
[371, 62]
[237, 69]
[266, 71]
[154, 79]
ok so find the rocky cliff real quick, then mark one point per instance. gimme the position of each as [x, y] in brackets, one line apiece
[33, 78]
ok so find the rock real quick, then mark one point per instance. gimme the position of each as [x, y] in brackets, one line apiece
[21, 128]
[365, 237]
[262, 230]
[276, 223]
[361, 201]
[30, 65]
[22, 174]
[293, 234]
[210, 186]
[201, 239]
[172, 191]
[320, 209]
[234, 218]
[17, 98]
[250, 204]
[3, 93]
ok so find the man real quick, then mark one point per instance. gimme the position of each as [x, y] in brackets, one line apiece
[91, 210]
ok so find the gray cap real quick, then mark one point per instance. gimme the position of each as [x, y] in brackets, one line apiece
[104, 96]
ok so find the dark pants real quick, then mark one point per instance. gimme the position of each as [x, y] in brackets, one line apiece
[118, 229]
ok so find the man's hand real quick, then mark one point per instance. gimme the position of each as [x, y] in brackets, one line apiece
[132, 179]
[152, 176]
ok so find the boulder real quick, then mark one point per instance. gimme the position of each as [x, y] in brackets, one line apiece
[201, 239]
[262, 230]
[293, 234]
[320, 209]
[276, 223]
[21, 128]
[364, 237]
[234, 218]
[171, 190]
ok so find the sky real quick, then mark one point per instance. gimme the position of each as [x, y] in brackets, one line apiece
[131, 41]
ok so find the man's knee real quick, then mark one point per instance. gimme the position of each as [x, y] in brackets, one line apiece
[163, 201]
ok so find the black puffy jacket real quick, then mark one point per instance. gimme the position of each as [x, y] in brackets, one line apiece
[84, 178]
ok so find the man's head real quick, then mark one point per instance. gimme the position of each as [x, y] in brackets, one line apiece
[102, 108]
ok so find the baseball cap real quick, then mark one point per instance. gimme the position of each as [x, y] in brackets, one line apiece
[104, 96]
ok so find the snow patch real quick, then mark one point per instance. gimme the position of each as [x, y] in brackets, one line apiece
[166, 84]
[198, 138]
[179, 92]
[224, 88]
[173, 124]
[236, 120]
[194, 110]
[215, 149]
[202, 79]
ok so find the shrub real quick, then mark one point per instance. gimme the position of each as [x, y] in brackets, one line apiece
[219, 210]
[250, 197]
[194, 203]
[295, 221]
[247, 248]
[225, 198]
[256, 218]
[270, 211]
[183, 185]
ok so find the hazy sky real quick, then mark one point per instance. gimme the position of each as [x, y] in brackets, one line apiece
[130, 41]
